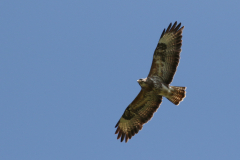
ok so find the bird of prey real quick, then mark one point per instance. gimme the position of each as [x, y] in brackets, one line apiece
[157, 84]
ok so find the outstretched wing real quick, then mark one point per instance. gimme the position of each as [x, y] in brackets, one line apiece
[140, 111]
[167, 54]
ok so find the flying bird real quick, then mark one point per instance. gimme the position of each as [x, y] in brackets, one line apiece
[157, 84]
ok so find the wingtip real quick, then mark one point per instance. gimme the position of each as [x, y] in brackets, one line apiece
[117, 124]
[123, 136]
[169, 27]
[119, 134]
[162, 33]
[118, 129]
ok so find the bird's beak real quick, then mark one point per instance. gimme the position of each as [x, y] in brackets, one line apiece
[138, 80]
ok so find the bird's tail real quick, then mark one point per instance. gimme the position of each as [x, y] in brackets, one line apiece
[178, 94]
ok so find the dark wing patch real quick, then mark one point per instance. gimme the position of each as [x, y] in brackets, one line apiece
[140, 111]
[167, 53]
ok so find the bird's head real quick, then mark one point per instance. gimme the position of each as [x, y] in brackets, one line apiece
[142, 82]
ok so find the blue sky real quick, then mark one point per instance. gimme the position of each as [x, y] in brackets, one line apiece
[70, 68]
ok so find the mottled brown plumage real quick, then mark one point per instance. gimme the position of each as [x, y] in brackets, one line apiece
[165, 61]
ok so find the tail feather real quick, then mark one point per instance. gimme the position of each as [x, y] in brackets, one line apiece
[178, 94]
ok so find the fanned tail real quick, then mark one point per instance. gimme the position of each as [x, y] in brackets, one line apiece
[178, 94]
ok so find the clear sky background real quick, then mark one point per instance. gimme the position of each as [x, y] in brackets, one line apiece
[69, 69]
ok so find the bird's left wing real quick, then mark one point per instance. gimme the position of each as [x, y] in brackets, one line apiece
[167, 54]
[140, 111]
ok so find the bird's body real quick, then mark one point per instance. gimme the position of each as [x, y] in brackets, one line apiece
[156, 85]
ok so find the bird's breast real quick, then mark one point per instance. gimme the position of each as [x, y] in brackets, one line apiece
[156, 82]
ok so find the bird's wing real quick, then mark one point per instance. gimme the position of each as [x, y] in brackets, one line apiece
[140, 111]
[167, 53]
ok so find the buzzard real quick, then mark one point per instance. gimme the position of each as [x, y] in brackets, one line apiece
[157, 84]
